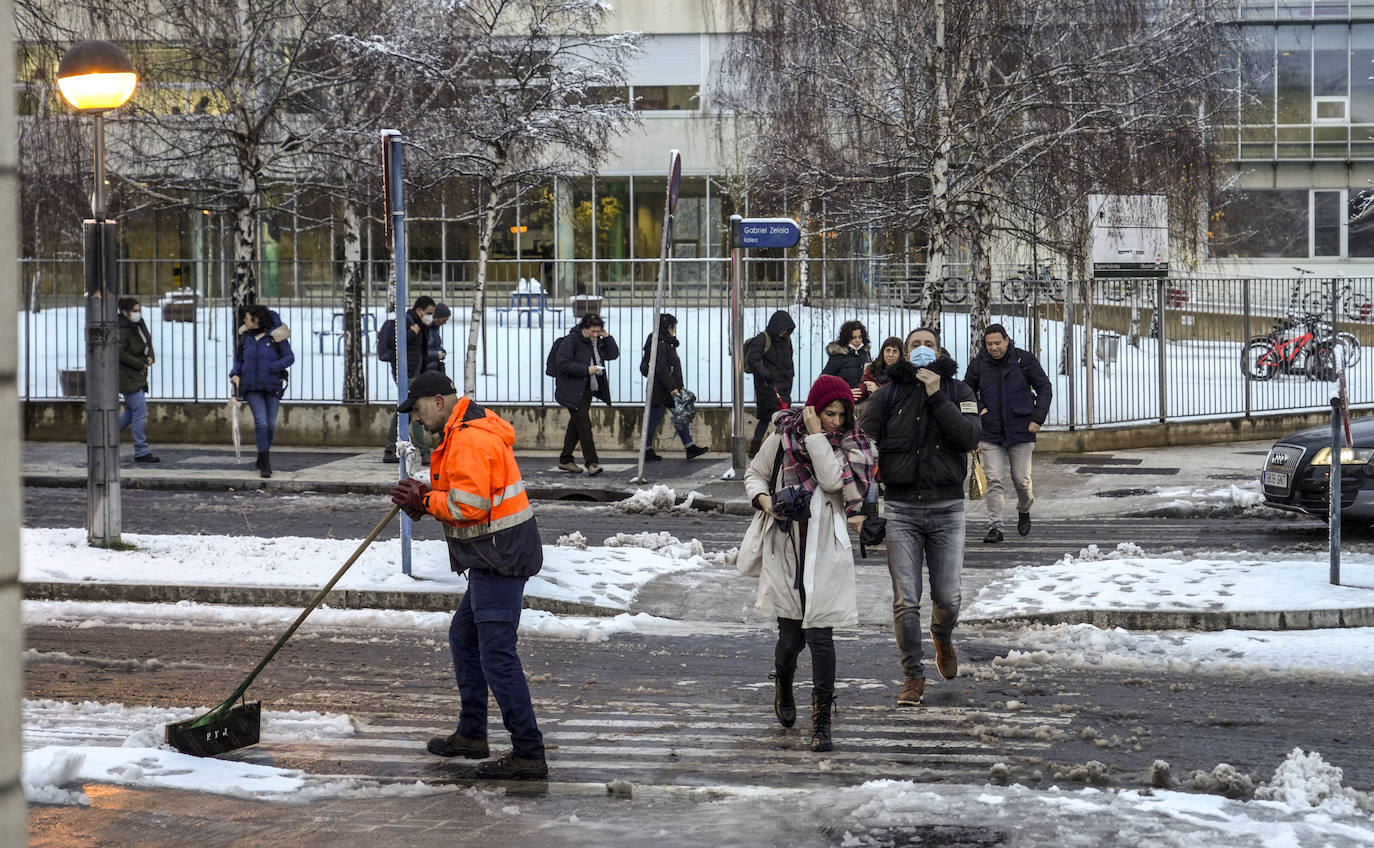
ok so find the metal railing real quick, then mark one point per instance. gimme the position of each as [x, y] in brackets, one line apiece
[1130, 352]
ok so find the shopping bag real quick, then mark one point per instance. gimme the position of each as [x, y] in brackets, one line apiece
[750, 559]
[977, 478]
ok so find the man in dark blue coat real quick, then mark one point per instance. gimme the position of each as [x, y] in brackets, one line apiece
[1013, 401]
[581, 376]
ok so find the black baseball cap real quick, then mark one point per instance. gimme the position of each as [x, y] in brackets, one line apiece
[428, 384]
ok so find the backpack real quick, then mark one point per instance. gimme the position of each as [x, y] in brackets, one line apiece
[754, 344]
[551, 363]
[386, 341]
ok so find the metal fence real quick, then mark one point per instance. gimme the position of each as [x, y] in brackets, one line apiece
[1130, 352]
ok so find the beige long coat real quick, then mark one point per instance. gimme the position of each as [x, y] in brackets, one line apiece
[828, 577]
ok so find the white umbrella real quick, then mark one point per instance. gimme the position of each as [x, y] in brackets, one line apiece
[234, 426]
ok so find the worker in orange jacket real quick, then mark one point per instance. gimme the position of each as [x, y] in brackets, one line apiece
[477, 493]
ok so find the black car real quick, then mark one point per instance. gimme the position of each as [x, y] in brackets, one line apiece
[1297, 472]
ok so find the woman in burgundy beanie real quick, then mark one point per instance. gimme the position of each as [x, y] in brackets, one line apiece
[810, 478]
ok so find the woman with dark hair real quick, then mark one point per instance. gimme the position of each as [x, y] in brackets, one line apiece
[666, 385]
[810, 477]
[876, 372]
[849, 355]
[259, 376]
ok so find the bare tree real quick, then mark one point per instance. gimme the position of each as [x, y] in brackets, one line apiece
[530, 86]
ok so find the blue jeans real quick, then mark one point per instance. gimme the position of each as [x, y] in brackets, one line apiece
[264, 406]
[482, 640]
[135, 415]
[656, 417]
[918, 535]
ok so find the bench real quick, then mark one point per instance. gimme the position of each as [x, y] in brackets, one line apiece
[336, 332]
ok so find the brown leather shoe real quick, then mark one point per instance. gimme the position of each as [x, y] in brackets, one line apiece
[911, 693]
[946, 660]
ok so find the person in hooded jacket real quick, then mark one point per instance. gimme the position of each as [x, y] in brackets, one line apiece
[479, 497]
[581, 368]
[768, 357]
[877, 373]
[667, 384]
[848, 356]
[419, 318]
[824, 466]
[925, 423]
[259, 376]
[135, 358]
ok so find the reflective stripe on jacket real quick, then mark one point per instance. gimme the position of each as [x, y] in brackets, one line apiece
[478, 495]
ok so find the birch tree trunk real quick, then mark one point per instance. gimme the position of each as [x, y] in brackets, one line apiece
[479, 292]
[933, 303]
[980, 312]
[804, 256]
[248, 207]
[355, 381]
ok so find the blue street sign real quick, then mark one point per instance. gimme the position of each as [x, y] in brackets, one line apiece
[769, 232]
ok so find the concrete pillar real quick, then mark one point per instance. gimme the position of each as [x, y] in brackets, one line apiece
[11, 629]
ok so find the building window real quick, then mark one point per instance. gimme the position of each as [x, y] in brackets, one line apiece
[665, 98]
[1326, 223]
[1251, 224]
[1360, 214]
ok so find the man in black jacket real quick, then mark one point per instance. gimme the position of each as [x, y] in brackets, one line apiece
[418, 319]
[135, 357]
[1013, 402]
[925, 422]
[581, 371]
[768, 356]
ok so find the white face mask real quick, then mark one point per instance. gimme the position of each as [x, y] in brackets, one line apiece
[136, 316]
[427, 319]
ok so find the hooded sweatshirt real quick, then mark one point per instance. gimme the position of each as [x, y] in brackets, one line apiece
[773, 367]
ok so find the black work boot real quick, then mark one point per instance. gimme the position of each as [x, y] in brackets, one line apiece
[1023, 525]
[264, 464]
[511, 767]
[458, 745]
[821, 702]
[784, 706]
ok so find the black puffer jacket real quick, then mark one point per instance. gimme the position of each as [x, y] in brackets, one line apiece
[846, 363]
[574, 355]
[923, 440]
[667, 368]
[773, 368]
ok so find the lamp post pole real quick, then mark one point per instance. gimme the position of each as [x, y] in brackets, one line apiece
[95, 76]
[102, 363]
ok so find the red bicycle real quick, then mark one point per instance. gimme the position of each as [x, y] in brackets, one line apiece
[1282, 352]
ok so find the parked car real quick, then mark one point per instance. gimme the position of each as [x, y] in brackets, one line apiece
[1297, 472]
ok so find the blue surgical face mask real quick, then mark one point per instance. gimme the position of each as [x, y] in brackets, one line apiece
[922, 356]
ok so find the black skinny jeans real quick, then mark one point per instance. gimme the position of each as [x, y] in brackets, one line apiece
[792, 637]
[580, 430]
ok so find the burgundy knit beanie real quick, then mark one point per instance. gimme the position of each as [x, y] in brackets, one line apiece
[827, 389]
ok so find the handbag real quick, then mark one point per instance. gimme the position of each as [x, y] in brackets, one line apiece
[749, 561]
[977, 478]
[684, 408]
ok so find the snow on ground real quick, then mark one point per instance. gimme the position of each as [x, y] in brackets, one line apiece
[1187, 501]
[1126, 579]
[604, 576]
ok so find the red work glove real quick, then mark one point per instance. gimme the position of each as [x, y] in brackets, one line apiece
[409, 495]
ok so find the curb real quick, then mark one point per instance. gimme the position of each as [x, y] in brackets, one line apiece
[1153, 620]
[274, 596]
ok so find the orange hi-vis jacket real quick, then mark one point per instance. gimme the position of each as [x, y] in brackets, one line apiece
[477, 493]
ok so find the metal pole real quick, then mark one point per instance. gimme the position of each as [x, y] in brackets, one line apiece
[102, 364]
[658, 310]
[1334, 519]
[738, 459]
[1245, 317]
[1070, 308]
[1159, 317]
[396, 208]
[1089, 363]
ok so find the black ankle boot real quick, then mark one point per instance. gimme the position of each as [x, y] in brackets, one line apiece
[784, 706]
[264, 464]
[820, 721]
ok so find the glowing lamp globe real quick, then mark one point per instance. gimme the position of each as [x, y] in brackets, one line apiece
[95, 76]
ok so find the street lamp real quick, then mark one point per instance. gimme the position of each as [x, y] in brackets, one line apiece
[94, 77]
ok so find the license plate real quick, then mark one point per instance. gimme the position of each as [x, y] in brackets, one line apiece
[1277, 479]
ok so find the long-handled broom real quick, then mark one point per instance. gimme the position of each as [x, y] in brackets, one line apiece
[230, 725]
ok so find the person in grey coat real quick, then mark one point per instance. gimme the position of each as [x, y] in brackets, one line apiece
[810, 478]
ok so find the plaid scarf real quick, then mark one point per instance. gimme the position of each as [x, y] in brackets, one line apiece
[857, 466]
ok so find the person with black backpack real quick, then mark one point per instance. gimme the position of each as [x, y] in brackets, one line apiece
[418, 320]
[768, 356]
[578, 362]
[259, 376]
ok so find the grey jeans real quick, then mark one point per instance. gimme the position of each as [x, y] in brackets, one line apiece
[995, 461]
[934, 537]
